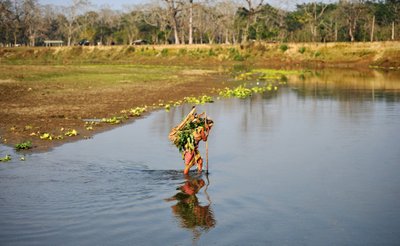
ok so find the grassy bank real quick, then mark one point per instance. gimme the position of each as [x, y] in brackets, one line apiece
[377, 54]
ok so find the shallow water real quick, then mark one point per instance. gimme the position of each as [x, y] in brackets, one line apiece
[317, 163]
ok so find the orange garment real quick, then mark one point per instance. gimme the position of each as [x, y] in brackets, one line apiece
[192, 157]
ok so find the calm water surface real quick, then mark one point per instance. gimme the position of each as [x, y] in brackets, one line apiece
[317, 163]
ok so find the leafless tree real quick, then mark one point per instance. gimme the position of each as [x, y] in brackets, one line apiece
[174, 8]
[71, 13]
[226, 10]
[6, 20]
[351, 11]
[158, 17]
[314, 13]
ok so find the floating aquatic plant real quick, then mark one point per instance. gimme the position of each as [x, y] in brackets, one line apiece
[71, 133]
[6, 158]
[198, 100]
[113, 120]
[46, 136]
[23, 145]
[138, 111]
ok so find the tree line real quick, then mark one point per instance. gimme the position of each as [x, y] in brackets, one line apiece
[26, 22]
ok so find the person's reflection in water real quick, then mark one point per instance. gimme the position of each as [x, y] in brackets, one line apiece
[188, 209]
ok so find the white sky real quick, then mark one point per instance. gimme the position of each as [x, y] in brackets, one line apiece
[119, 4]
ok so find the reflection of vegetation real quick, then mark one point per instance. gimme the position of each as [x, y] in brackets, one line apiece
[347, 84]
[189, 211]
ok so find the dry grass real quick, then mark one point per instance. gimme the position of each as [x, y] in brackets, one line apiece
[384, 54]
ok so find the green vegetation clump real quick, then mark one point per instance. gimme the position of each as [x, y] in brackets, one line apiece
[185, 137]
[49, 136]
[243, 92]
[24, 145]
[198, 100]
[46, 136]
[283, 47]
[71, 133]
[164, 52]
[239, 92]
[182, 52]
[211, 52]
[235, 55]
[113, 120]
[302, 50]
[138, 111]
[5, 159]
[130, 49]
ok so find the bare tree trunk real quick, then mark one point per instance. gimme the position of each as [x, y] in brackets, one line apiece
[392, 30]
[176, 33]
[15, 38]
[351, 34]
[373, 28]
[336, 32]
[191, 22]
[173, 12]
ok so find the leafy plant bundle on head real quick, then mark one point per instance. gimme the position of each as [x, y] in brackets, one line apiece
[188, 133]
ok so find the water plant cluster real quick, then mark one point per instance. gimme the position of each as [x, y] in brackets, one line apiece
[24, 145]
[199, 100]
[5, 158]
[244, 92]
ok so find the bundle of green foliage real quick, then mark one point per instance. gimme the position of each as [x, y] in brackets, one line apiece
[186, 135]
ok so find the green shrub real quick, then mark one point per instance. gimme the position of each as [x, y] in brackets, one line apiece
[211, 52]
[317, 54]
[283, 47]
[302, 50]
[235, 55]
[238, 57]
[164, 52]
[182, 52]
[130, 49]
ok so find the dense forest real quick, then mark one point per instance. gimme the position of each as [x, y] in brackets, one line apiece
[26, 22]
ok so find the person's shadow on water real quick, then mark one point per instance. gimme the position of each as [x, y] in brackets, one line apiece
[188, 210]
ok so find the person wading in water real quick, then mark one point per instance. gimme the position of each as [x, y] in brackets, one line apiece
[187, 136]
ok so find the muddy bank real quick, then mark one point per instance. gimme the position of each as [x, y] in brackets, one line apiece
[33, 106]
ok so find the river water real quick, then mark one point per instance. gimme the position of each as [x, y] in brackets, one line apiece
[316, 163]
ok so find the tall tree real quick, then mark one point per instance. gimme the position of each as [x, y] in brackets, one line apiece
[394, 6]
[174, 8]
[351, 11]
[32, 20]
[6, 22]
[252, 9]
[190, 21]
[71, 13]
[314, 12]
